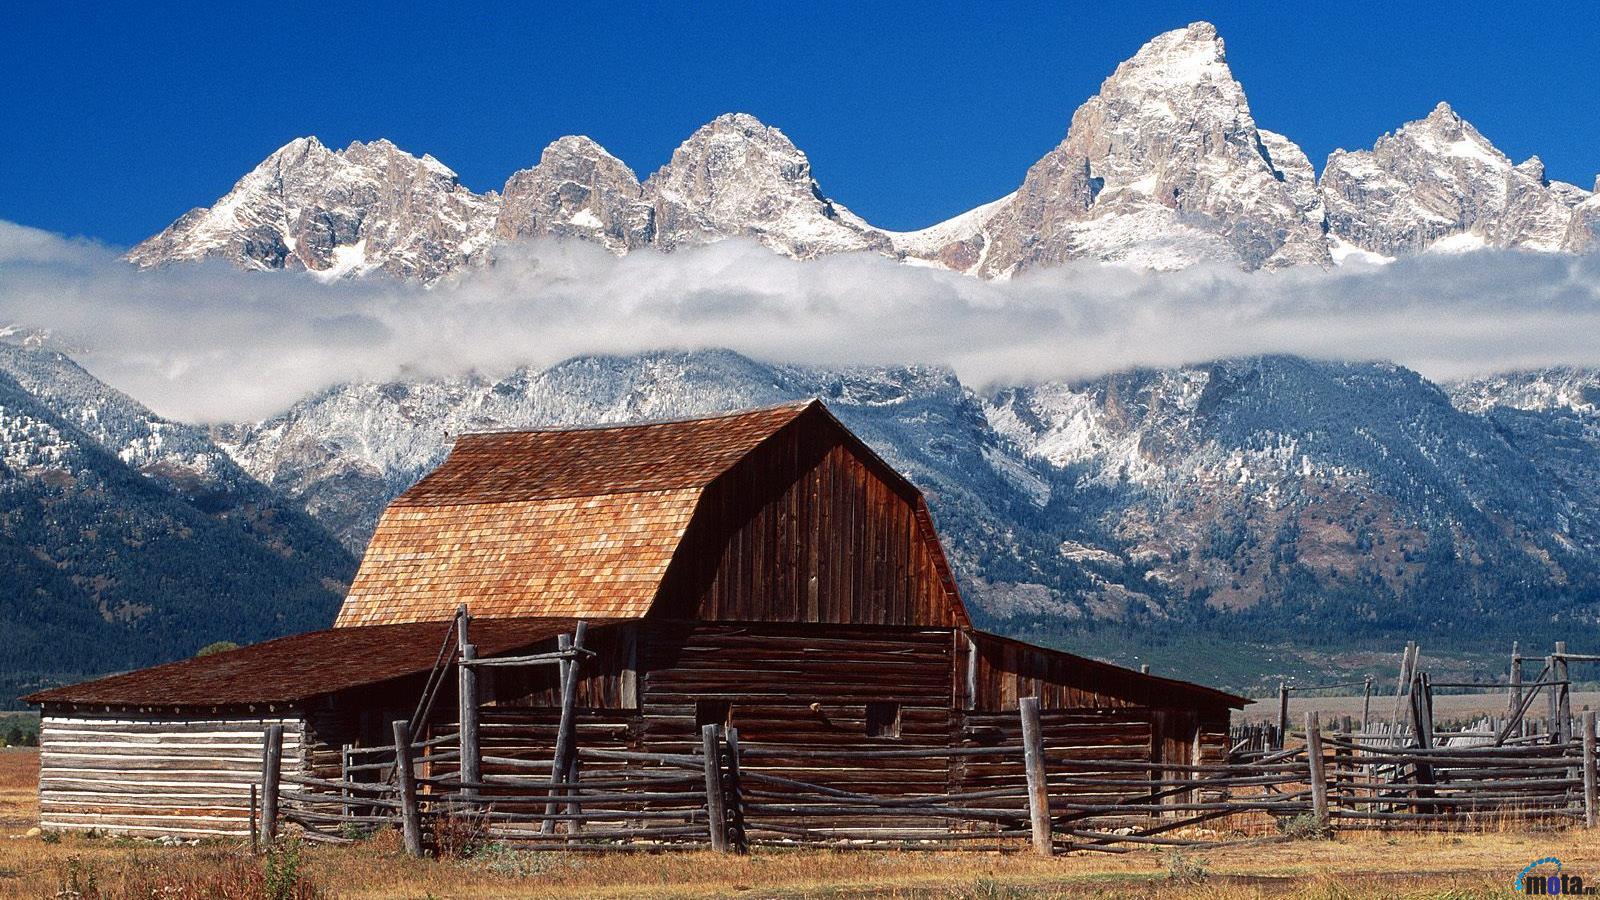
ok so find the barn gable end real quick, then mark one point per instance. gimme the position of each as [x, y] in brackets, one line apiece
[812, 527]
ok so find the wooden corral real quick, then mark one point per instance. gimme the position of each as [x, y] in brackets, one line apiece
[763, 570]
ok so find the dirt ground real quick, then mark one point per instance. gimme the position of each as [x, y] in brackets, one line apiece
[1354, 865]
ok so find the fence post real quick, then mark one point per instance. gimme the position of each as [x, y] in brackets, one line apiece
[1283, 713]
[716, 814]
[410, 818]
[271, 761]
[565, 730]
[1319, 772]
[741, 841]
[467, 720]
[574, 805]
[1551, 701]
[1591, 798]
[1366, 705]
[1408, 667]
[255, 838]
[1564, 695]
[1514, 691]
[1033, 762]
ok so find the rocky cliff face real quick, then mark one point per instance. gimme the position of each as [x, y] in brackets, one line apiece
[1438, 183]
[739, 177]
[334, 213]
[1163, 168]
[577, 190]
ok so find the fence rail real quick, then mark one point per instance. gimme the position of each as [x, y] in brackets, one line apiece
[727, 796]
[1026, 789]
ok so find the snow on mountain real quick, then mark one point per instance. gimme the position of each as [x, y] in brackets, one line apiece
[334, 213]
[1437, 183]
[1163, 168]
[959, 243]
[1246, 485]
[739, 177]
[577, 190]
[1543, 390]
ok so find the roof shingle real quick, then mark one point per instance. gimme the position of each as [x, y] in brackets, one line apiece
[580, 522]
[295, 668]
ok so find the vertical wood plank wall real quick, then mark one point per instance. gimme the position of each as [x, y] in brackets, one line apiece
[136, 774]
[807, 529]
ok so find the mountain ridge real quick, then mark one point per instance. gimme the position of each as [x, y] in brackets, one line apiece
[1164, 167]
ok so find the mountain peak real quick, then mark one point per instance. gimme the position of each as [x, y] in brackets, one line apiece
[736, 120]
[574, 145]
[1164, 167]
[1182, 56]
[739, 176]
[578, 190]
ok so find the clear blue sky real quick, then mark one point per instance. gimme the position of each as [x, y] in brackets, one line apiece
[116, 121]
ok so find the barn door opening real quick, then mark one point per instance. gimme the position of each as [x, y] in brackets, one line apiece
[712, 712]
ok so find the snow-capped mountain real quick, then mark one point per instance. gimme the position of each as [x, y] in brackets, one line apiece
[336, 212]
[736, 176]
[129, 540]
[577, 190]
[1163, 168]
[1275, 489]
[1438, 183]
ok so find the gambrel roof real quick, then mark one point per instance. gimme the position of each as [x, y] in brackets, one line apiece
[574, 522]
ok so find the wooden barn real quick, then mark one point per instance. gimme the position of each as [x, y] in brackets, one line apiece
[763, 569]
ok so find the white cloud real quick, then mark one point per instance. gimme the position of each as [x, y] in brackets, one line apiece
[207, 342]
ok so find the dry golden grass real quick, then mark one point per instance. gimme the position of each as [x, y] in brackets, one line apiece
[1355, 865]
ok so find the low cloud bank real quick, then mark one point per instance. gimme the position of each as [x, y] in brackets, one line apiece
[205, 342]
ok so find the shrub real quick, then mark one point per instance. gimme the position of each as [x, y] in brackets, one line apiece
[1306, 827]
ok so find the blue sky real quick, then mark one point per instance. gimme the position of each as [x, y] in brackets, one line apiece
[118, 120]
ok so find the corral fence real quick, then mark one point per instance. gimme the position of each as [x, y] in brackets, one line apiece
[1032, 786]
[729, 797]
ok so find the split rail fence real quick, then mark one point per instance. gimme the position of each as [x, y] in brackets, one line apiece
[444, 794]
[727, 797]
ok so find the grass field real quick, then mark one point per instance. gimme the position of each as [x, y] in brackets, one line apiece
[1461, 867]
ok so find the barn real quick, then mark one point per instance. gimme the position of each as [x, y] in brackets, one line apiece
[763, 569]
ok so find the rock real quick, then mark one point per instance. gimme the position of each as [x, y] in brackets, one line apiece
[369, 207]
[739, 177]
[581, 191]
[1437, 183]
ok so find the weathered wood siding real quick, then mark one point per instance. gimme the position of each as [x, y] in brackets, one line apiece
[808, 528]
[771, 675]
[156, 775]
[1119, 734]
[1004, 670]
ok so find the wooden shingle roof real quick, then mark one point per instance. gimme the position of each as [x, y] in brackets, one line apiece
[302, 666]
[580, 522]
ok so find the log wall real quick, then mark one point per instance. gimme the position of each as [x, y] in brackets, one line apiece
[771, 676]
[156, 775]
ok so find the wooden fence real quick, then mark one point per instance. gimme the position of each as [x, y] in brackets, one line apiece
[731, 797]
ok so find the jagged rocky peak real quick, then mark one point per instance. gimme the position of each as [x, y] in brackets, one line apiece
[1163, 167]
[371, 206]
[578, 189]
[1439, 183]
[737, 176]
